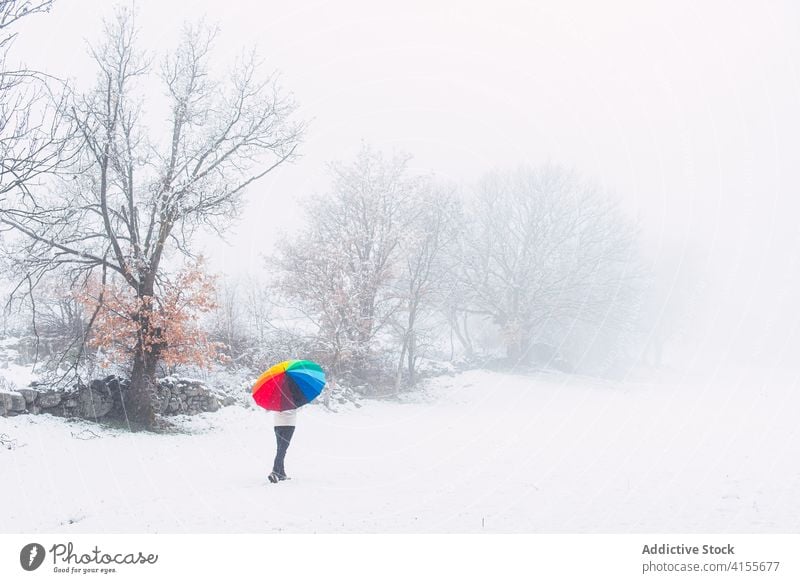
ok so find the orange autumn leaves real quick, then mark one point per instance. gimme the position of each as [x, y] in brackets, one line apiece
[167, 324]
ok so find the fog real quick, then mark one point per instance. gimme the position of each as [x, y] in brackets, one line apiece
[688, 113]
[533, 269]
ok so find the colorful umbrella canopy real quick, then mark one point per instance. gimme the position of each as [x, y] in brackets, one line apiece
[288, 385]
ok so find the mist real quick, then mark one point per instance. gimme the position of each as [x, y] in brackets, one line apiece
[521, 267]
[686, 114]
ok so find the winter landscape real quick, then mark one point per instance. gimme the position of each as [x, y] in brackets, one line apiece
[478, 452]
[546, 258]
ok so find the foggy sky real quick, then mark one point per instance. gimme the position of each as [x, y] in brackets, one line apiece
[688, 112]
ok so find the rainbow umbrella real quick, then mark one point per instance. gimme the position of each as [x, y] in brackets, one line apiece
[289, 385]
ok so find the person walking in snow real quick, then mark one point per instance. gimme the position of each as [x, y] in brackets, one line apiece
[285, 422]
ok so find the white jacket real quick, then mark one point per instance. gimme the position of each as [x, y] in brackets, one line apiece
[288, 417]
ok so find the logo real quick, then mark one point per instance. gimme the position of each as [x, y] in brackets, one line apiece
[31, 556]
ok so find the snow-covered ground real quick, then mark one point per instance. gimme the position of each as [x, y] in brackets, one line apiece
[478, 452]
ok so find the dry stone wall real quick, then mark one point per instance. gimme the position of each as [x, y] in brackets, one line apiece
[102, 398]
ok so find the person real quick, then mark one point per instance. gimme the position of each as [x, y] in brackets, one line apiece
[285, 422]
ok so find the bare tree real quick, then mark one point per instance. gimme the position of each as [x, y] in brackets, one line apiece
[423, 280]
[542, 248]
[134, 198]
[337, 272]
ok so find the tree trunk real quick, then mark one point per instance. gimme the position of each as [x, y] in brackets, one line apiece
[412, 357]
[463, 338]
[141, 394]
[398, 379]
[516, 346]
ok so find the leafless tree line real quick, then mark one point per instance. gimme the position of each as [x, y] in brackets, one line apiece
[389, 259]
[388, 265]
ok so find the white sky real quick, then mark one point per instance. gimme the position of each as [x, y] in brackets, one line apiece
[689, 111]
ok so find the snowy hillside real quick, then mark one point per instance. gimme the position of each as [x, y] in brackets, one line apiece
[479, 452]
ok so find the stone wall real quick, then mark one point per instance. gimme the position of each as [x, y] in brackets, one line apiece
[102, 398]
[187, 397]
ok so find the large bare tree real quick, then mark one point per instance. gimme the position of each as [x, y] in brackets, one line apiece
[337, 271]
[141, 192]
[543, 248]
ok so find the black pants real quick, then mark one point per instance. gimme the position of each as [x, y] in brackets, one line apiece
[283, 433]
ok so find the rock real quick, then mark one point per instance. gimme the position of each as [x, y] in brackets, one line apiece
[212, 404]
[193, 390]
[2, 408]
[29, 394]
[173, 406]
[5, 399]
[13, 401]
[49, 399]
[161, 401]
[115, 384]
[100, 386]
[18, 402]
[94, 401]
